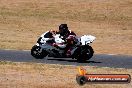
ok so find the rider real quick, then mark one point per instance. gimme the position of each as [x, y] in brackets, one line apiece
[64, 31]
[64, 34]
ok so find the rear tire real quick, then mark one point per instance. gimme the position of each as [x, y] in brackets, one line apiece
[38, 52]
[84, 53]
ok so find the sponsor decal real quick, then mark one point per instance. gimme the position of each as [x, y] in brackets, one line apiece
[83, 78]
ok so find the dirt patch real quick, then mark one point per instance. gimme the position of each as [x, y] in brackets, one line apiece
[22, 22]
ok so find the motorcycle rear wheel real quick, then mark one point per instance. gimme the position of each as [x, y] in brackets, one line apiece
[84, 53]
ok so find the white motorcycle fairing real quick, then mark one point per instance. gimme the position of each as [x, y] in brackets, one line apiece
[84, 40]
[87, 39]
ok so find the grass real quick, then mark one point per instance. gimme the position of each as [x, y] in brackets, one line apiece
[27, 75]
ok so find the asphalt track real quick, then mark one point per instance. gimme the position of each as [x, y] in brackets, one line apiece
[101, 60]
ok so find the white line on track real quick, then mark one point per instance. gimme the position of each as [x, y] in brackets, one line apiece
[111, 54]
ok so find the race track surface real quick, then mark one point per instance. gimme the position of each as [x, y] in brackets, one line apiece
[101, 60]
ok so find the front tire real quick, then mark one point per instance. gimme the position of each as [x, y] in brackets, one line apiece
[38, 52]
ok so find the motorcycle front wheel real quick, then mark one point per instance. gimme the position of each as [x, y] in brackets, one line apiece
[38, 52]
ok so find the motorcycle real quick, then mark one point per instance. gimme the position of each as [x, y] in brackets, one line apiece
[55, 47]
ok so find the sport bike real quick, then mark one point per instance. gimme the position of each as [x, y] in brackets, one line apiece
[55, 47]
